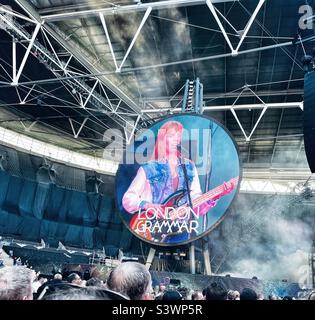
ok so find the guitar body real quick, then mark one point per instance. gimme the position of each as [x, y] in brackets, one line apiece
[146, 224]
[139, 220]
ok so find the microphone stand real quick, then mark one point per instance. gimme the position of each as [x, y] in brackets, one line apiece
[182, 163]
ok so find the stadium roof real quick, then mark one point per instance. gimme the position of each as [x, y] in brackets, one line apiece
[69, 70]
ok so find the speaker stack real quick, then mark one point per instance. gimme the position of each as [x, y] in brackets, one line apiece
[309, 118]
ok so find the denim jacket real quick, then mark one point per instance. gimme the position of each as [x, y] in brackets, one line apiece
[159, 176]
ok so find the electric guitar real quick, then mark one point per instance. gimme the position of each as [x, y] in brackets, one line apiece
[140, 220]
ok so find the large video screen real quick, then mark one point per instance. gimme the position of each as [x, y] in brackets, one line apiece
[177, 179]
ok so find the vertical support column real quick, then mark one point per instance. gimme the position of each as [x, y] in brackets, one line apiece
[206, 257]
[197, 96]
[13, 59]
[150, 258]
[192, 259]
[185, 96]
[201, 99]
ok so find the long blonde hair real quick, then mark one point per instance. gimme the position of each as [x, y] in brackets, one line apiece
[160, 151]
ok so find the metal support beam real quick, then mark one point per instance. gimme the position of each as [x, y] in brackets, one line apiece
[231, 94]
[235, 107]
[206, 257]
[28, 128]
[13, 59]
[162, 65]
[158, 5]
[3, 9]
[133, 130]
[67, 63]
[30, 45]
[192, 260]
[239, 124]
[108, 39]
[76, 134]
[51, 46]
[215, 15]
[90, 94]
[23, 101]
[98, 101]
[150, 258]
[258, 120]
[249, 24]
[144, 19]
[213, 10]
[82, 59]
[106, 95]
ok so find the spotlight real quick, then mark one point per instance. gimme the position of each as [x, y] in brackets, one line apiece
[307, 193]
[45, 174]
[93, 184]
[3, 162]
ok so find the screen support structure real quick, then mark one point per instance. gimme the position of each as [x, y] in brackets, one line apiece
[150, 258]
[192, 103]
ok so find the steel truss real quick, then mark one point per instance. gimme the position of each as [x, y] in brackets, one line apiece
[124, 110]
[232, 108]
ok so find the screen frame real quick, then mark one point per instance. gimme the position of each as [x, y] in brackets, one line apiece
[218, 222]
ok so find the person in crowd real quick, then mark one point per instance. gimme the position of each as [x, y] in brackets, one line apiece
[311, 296]
[38, 283]
[260, 296]
[16, 283]
[54, 285]
[216, 292]
[233, 295]
[161, 290]
[74, 278]
[131, 279]
[172, 295]
[197, 295]
[58, 276]
[85, 293]
[248, 294]
[94, 282]
[204, 292]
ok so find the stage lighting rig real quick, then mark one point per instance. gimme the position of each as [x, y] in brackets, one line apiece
[45, 174]
[308, 63]
[93, 183]
[3, 162]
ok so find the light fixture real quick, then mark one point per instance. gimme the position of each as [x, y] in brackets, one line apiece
[307, 63]
[45, 174]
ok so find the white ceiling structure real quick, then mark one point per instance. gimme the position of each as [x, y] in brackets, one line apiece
[70, 70]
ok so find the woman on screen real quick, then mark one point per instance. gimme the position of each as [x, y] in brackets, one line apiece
[166, 174]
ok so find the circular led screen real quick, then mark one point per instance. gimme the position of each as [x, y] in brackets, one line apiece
[177, 179]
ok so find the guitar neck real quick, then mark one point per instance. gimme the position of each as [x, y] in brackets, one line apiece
[212, 194]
